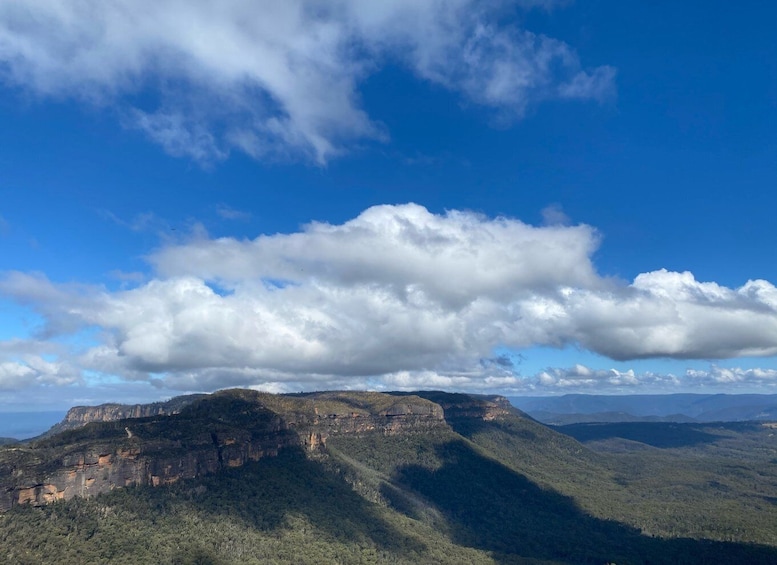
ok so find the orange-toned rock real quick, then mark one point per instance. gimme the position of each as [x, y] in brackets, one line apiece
[193, 436]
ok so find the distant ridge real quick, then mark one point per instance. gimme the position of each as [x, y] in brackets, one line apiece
[579, 408]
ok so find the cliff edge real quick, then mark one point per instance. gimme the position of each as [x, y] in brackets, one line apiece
[97, 449]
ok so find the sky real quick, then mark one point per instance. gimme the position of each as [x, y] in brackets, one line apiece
[533, 197]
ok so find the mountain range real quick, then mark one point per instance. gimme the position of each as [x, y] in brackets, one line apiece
[576, 408]
[361, 477]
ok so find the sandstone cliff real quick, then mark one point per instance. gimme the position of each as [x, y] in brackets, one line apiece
[81, 415]
[457, 406]
[101, 448]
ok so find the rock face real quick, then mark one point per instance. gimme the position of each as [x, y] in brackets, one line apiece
[79, 416]
[98, 449]
[470, 406]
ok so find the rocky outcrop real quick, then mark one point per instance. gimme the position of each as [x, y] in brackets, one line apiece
[457, 406]
[101, 448]
[94, 469]
[79, 416]
[398, 416]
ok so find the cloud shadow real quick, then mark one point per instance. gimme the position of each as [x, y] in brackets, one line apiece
[491, 507]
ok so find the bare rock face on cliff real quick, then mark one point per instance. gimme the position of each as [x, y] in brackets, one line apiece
[79, 416]
[96, 449]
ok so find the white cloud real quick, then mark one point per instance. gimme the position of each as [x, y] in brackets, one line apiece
[453, 259]
[473, 382]
[727, 376]
[15, 375]
[397, 296]
[277, 78]
[671, 314]
[35, 370]
[30, 364]
[582, 378]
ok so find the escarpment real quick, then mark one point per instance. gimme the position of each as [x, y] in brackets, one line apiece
[97, 449]
[79, 416]
[473, 407]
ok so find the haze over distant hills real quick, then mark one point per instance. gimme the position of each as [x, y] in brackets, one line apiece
[573, 408]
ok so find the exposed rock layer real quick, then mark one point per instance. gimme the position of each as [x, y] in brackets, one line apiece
[96, 449]
[79, 416]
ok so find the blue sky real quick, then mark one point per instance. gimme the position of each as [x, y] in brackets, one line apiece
[530, 197]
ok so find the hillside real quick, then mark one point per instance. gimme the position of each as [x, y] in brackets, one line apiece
[348, 477]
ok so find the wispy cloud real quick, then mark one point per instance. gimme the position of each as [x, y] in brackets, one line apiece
[178, 134]
[278, 78]
[398, 293]
[126, 278]
[143, 222]
[554, 215]
[229, 213]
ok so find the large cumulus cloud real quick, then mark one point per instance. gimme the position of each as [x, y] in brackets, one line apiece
[396, 295]
[202, 78]
[669, 314]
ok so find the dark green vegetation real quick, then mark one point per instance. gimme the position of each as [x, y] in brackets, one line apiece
[486, 486]
[712, 480]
